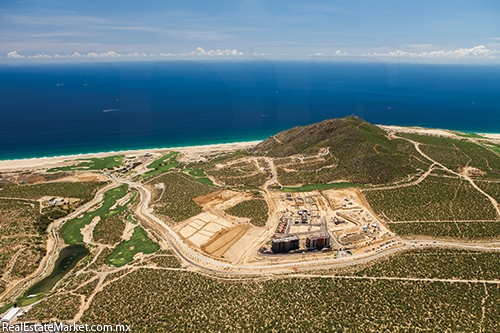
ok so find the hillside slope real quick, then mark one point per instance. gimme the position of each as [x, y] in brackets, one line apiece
[357, 151]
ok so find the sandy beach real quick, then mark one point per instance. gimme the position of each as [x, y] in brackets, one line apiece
[430, 131]
[490, 135]
[192, 152]
[189, 152]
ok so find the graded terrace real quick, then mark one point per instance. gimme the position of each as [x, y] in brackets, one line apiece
[324, 209]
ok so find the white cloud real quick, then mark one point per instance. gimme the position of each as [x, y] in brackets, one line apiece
[14, 55]
[479, 51]
[112, 54]
[201, 51]
[41, 55]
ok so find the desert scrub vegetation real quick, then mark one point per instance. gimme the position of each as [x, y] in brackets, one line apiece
[162, 301]
[435, 198]
[116, 274]
[430, 140]
[167, 261]
[58, 306]
[359, 153]
[459, 152]
[88, 288]
[492, 188]
[436, 263]
[232, 169]
[241, 174]
[82, 190]
[254, 209]
[451, 157]
[22, 242]
[177, 199]
[109, 230]
[463, 230]
[27, 261]
[73, 281]
[101, 260]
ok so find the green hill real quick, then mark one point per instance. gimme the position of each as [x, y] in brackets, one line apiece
[339, 149]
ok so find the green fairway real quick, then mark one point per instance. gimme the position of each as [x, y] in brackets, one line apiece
[161, 160]
[199, 175]
[312, 187]
[195, 172]
[71, 231]
[125, 251]
[163, 164]
[93, 164]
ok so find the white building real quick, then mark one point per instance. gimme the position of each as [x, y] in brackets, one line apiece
[10, 315]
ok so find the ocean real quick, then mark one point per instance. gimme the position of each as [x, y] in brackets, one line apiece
[65, 109]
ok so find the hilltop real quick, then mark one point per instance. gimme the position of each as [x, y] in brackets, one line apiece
[345, 148]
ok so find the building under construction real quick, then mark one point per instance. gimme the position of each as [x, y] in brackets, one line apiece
[317, 241]
[285, 244]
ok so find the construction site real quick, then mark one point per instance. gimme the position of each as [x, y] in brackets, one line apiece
[324, 221]
[300, 223]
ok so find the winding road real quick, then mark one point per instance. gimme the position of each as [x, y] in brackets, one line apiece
[196, 260]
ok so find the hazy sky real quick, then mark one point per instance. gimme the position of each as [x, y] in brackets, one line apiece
[420, 30]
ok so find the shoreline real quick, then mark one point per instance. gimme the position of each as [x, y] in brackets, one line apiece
[437, 131]
[52, 161]
[48, 162]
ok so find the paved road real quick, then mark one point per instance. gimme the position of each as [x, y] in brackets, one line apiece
[205, 263]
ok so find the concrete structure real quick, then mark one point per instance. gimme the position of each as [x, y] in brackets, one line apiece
[285, 244]
[10, 315]
[318, 241]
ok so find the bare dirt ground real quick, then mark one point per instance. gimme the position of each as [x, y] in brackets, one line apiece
[217, 233]
[83, 177]
[219, 243]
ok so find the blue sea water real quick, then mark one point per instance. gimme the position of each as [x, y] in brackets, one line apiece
[50, 110]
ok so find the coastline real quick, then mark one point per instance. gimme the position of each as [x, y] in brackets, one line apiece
[48, 162]
[194, 151]
[435, 131]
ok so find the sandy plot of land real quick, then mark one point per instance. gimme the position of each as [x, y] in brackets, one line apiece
[224, 239]
[197, 224]
[83, 177]
[213, 227]
[301, 228]
[200, 228]
[238, 249]
[205, 232]
[187, 231]
[198, 239]
[221, 200]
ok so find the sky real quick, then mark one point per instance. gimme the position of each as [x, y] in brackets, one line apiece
[415, 31]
